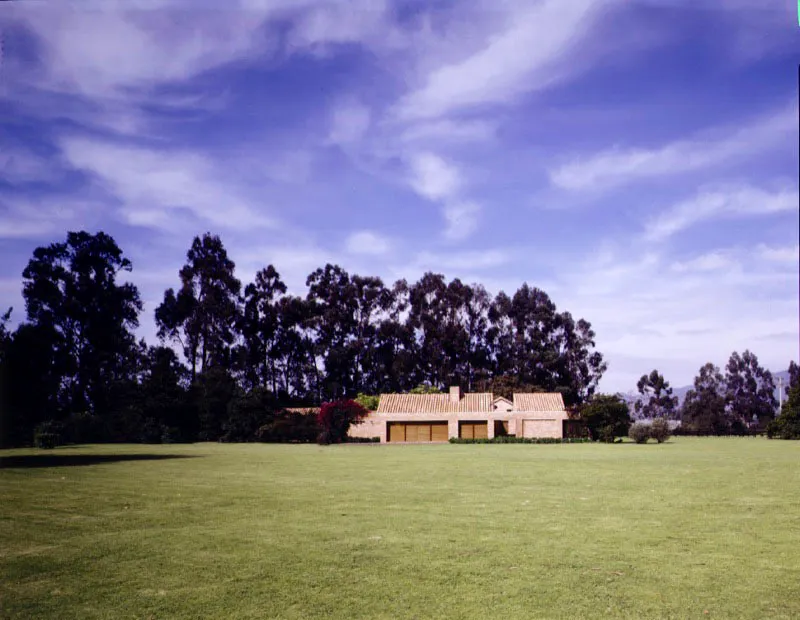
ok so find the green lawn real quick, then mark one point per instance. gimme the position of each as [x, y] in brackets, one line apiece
[696, 528]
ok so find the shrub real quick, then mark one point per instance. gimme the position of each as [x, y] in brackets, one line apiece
[170, 434]
[48, 434]
[368, 401]
[659, 430]
[787, 424]
[639, 432]
[334, 420]
[518, 440]
[84, 427]
[606, 417]
[289, 427]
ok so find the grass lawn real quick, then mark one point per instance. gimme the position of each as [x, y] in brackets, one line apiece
[695, 528]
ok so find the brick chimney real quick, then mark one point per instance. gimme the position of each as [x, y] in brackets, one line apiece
[455, 394]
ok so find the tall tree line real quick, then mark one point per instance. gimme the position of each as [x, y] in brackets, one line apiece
[75, 355]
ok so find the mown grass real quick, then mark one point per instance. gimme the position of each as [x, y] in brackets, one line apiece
[696, 528]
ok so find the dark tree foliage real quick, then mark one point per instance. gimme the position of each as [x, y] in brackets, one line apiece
[392, 360]
[606, 417]
[288, 426]
[541, 347]
[260, 329]
[703, 410]
[202, 317]
[165, 397]
[247, 413]
[787, 424]
[32, 376]
[657, 400]
[74, 301]
[5, 343]
[5, 335]
[296, 366]
[794, 376]
[506, 386]
[424, 388]
[212, 393]
[749, 391]
[347, 313]
[335, 418]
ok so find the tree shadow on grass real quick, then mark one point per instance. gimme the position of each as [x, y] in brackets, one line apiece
[25, 461]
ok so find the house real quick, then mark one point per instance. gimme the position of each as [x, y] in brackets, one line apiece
[415, 418]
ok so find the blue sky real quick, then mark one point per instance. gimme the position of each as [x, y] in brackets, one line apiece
[636, 159]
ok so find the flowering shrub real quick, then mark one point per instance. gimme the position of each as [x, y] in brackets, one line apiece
[334, 420]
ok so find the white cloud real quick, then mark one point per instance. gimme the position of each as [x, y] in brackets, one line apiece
[367, 242]
[20, 165]
[712, 261]
[618, 165]
[789, 255]
[462, 220]
[35, 218]
[433, 177]
[136, 48]
[329, 23]
[519, 59]
[447, 131]
[741, 201]
[647, 315]
[147, 181]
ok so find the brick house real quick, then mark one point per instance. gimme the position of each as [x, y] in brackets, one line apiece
[416, 418]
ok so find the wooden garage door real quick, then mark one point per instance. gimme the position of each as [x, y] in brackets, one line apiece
[397, 432]
[439, 431]
[537, 428]
[473, 430]
[417, 431]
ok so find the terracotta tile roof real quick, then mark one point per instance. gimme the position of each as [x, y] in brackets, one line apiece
[538, 402]
[469, 403]
[434, 403]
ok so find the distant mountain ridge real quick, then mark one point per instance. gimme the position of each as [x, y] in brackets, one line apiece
[632, 396]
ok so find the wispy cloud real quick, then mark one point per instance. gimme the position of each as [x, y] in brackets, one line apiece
[712, 261]
[462, 220]
[732, 202]
[35, 218]
[624, 165]
[20, 165]
[439, 180]
[138, 46]
[519, 59]
[789, 255]
[449, 131]
[350, 121]
[153, 186]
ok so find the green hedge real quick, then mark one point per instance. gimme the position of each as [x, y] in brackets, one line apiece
[510, 439]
